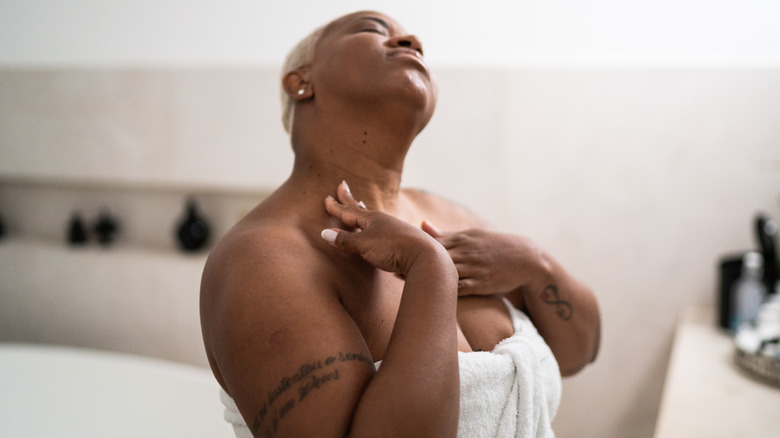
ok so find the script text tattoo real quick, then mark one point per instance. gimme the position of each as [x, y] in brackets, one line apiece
[307, 378]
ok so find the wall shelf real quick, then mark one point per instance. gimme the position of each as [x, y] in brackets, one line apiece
[86, 183]
[148, 214]
[136, 143]
[121, 298]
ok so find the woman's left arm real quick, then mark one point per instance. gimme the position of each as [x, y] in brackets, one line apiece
[564, 311]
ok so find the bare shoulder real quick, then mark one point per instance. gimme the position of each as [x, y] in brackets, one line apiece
[445, 213]
[256, 246]
[259, 251]
[246, 275]
[270, 318]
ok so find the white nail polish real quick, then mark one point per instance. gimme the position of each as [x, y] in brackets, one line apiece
[361, 204]
[329, 235]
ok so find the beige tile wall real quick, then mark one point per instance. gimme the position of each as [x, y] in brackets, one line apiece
[637, 180]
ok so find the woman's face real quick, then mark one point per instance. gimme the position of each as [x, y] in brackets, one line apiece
[368, 56]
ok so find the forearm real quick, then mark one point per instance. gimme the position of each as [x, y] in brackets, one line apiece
[416, 390]
[564, 311]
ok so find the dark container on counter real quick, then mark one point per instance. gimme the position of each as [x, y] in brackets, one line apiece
[193, 232]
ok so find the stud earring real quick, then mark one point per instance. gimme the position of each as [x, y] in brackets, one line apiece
[300, 92]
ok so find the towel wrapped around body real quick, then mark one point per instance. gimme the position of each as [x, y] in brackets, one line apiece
[512, 391]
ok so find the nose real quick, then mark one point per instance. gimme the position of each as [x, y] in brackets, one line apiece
[410, 41]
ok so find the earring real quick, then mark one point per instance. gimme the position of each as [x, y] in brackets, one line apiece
[301, 91]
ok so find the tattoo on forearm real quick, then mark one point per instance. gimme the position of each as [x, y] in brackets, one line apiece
[308, 378]
[562, 307]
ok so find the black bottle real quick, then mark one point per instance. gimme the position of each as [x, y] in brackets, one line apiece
[193, 232]
[77, 233]
[766, 234]
[106, 228]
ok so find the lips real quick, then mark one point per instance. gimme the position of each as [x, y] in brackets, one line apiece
[404, 52]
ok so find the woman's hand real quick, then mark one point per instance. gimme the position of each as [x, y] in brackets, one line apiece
[488, 262]
[564, 310]
[384, 241]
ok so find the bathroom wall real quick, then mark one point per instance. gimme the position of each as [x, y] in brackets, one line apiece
[629, 142]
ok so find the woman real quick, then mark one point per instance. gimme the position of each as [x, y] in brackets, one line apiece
[332, 312]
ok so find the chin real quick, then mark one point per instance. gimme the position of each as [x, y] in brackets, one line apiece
[421, 90]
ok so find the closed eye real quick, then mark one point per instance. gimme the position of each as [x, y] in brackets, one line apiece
[374, 25]
[376, 31]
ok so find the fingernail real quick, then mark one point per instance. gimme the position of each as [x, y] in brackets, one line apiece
[346, 187]
[329, 235]
[362, 205]
[432, 226]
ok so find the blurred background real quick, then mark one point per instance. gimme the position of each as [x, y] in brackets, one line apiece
[636, 141]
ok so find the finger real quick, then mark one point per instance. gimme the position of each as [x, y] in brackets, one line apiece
[345, 196]
[449, 240]
[466, 286]
[431, 229]
[467, 270]
[353, 217]
[343, 240]
[336, 237]
[330, 235]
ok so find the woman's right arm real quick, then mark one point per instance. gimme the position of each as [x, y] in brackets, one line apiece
[417, 389]
[297, 365]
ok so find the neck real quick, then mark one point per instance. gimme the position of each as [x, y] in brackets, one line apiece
[368, 156]
[317, 179]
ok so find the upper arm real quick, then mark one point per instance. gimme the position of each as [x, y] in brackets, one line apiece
[286, 350]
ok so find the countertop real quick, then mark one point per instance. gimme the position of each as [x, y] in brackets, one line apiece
[706, 394]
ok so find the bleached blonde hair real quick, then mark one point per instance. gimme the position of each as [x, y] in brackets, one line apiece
[301, 55]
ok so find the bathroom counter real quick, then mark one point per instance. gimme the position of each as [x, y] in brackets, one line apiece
[73, 392]
[706, 394]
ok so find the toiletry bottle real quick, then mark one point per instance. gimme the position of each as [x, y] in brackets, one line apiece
[77, 232]
[749, 292]
[193, 231]
[768, 321]
[106, 228]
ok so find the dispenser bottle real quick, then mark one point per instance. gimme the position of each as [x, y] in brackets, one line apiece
[193, 231]
[749, 292]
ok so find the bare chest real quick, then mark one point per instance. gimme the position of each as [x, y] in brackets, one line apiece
[373, 304]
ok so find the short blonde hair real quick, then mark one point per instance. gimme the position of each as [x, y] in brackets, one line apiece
[301, 55]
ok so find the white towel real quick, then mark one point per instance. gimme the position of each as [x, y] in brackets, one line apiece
[234, 417]
[512, 391]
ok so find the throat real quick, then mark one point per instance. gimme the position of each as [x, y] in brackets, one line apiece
[373, 183]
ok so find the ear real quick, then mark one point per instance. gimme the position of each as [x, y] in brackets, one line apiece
[297, 86]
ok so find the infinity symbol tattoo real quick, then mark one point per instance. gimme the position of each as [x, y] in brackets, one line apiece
[562, 307]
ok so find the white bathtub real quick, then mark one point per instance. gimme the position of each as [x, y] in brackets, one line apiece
[71, 392]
